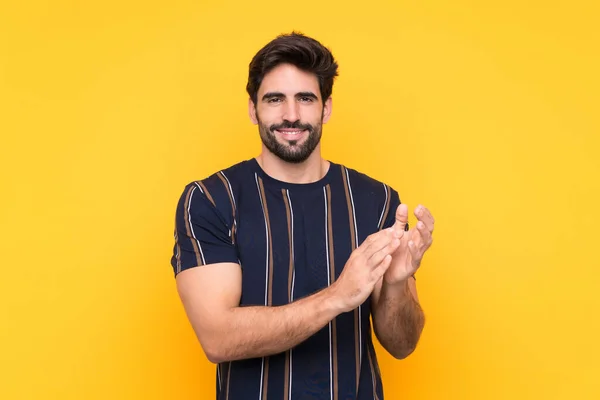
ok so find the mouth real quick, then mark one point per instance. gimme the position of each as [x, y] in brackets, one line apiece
[291, 134]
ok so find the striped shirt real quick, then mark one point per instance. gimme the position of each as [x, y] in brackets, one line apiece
[291, 240]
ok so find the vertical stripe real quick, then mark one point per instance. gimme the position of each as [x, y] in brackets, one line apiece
[386, 208]
[190, 229]
[230, 189]
[331, 279]
[372, 373]
[290, 241]
[227, 185]
[228, 380]
[353, 210]
[356, 239]
[268, 279]
[269, 244]
[353, 245]
[289, 393]
[262, 376]
[266, 379]
[205, 191]
[178, 252]
[219, 376]
[291, 363]
[350, 209]
[328, 284]
[287, 373]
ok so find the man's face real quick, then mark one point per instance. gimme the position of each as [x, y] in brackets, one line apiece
[289, 112]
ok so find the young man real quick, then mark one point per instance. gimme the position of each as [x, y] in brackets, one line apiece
[281, 260]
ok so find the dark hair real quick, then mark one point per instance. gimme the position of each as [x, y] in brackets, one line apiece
[299, 50]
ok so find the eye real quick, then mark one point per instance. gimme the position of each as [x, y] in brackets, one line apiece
[274, 100]
[306, 99]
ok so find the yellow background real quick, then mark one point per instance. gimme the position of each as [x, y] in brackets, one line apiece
[487, 112]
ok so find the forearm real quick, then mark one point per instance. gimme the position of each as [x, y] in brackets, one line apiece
[258, 331]
[398, 319]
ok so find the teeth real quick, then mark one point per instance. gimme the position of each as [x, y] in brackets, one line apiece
[291, 133]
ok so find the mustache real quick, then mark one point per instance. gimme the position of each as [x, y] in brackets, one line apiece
[291, 125]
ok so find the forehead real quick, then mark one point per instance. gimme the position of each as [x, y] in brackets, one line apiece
[289, 80]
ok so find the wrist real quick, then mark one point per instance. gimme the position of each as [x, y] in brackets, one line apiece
[396, 288]
[396, 283]
[332, 302]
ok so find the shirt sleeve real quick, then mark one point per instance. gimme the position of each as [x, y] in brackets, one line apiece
[201, 234]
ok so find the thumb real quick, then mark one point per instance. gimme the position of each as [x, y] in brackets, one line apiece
[401, 218]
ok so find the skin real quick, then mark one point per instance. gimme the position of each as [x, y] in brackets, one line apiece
[289, 100]
[292, 83]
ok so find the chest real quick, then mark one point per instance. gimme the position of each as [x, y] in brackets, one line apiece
[291, 245]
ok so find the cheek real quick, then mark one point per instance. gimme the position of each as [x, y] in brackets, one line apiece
[313, 116]
[268, 116]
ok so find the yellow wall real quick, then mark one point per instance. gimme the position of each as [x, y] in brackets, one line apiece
[485, 111]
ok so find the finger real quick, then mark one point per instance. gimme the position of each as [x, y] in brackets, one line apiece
[378, 256]
[401, 218]
[414, 235]
[423, 214]
[377, 241]
[415, 254]
[425, 234]
[378, 272]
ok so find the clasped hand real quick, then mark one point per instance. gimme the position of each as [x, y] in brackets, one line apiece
[407, 257]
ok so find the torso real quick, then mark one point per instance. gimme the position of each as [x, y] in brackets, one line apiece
[293, 240]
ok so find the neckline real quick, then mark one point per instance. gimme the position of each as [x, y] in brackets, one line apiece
[268, 179]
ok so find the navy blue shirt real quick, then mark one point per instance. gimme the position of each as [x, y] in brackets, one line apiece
[291, 240]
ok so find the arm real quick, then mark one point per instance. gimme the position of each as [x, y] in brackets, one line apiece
[209, 282]
[397, 316]
[211, 297]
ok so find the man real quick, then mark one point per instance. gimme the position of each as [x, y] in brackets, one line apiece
[281, 260]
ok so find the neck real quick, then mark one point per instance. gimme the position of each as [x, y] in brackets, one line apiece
[309, 171]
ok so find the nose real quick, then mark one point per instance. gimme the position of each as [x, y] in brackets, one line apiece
[292, 111]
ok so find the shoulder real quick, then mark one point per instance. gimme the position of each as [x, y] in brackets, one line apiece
[363, 183]
[225, 179]
[219, 189]
[221, 184]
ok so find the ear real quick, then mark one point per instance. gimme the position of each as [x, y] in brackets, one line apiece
[327, 110]
[252, 111]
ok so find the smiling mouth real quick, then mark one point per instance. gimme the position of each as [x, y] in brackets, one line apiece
[290, 131]
[290, 134]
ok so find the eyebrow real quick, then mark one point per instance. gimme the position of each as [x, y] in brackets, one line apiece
[270, 95]
[307, 94]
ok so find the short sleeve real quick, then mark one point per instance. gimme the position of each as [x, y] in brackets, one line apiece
[201, 235]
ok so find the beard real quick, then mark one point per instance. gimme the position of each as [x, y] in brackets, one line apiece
[291, 152]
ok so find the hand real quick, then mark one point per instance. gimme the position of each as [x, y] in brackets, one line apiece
[364, 268]
[413, 244]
